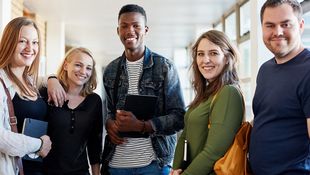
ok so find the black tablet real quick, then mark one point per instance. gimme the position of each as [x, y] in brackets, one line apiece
[142, 106]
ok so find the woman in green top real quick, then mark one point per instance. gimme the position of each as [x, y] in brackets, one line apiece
[216, 113]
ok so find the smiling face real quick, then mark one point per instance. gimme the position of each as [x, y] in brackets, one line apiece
[210, 59]
[27, 47]
[132, 30]
[282, 32]
[79, 69]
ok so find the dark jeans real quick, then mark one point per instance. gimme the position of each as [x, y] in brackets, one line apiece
[34, 173]
[151, 169]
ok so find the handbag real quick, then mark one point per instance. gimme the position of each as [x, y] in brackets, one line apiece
[235, 160]
[13, 124]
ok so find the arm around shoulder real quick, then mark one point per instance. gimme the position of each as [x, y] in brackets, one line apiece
[56, 92]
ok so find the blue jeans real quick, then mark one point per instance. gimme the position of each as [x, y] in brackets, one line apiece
[151, 169]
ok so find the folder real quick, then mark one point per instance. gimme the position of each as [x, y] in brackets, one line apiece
[143, 107]
[34, 128]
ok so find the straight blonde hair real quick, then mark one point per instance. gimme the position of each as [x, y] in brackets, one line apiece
[62, 75]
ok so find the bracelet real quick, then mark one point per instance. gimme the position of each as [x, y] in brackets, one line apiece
[52, 76]
[40, 149]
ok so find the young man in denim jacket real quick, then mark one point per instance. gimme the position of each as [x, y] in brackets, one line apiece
[142, 72]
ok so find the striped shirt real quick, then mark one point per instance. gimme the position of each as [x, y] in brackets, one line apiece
[135, 152]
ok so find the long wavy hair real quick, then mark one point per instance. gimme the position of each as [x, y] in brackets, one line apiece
[202, 87]
[62, 75]
[8, 44]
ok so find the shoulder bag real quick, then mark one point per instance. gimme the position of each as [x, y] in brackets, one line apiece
[235, 160]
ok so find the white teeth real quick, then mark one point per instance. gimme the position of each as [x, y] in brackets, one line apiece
[81, 77]
[26, 54]
[207, 67]
[130, 39]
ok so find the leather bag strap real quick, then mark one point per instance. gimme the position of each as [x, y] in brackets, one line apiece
[13, 120]
[13, 124]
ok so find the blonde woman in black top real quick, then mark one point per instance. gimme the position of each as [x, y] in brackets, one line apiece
[77, 125]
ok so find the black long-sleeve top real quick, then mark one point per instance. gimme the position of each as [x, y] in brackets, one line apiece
[71, 132]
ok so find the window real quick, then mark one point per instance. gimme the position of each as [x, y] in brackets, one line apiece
[245, 20]
[237, 27]
[230, 26]
[306, 33]
[182, 62]
[245, 62]
[244, 72]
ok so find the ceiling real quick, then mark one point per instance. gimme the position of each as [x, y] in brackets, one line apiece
[92, 23]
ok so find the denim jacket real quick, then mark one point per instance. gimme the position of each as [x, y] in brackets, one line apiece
[159, 78]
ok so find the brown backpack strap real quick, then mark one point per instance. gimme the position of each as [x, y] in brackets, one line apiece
[13, 123]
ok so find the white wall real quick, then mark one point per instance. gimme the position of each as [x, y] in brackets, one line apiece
[5, 13]
[259, 53]
[55, 45]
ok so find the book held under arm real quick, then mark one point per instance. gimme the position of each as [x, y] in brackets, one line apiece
[34, 128]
